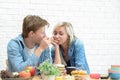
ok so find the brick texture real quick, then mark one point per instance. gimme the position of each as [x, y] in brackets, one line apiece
[96, 22]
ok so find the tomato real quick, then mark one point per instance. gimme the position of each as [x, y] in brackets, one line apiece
[24, 74]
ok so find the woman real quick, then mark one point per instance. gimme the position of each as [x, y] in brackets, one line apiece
[68, 50]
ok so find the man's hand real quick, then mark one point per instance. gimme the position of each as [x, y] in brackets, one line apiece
[43, 45]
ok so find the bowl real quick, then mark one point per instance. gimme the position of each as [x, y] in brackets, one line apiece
[70, 69]
[117, 66]
[113, 71]
[114, 75]
[104, 76]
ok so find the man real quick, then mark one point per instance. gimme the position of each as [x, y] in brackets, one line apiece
[30, 48]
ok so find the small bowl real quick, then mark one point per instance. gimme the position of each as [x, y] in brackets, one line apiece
[114, 75]
[70, 69]
[113, 71]
[117, 66]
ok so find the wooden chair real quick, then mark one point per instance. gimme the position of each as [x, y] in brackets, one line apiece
[6, 64]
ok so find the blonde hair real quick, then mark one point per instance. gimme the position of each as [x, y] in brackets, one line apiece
[69, 29]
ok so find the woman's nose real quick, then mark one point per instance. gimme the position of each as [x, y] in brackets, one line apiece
[57, 36]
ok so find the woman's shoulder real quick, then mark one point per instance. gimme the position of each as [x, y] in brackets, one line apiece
[77, 41]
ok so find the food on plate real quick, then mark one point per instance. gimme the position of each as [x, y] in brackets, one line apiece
[104, 76]
[68, 77]
[61, 67]
[25, 74]
[79, 72]
[31, 69]
[59, 78]
[94, 75]
[4, 74]
[28, 72]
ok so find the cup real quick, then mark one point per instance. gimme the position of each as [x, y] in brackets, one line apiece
[70, 69]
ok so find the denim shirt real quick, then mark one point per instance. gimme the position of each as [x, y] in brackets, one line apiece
[76, 54]
[19, 58]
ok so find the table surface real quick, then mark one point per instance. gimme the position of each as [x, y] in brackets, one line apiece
[39, 78]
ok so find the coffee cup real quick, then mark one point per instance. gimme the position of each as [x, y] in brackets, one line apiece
[70, 69]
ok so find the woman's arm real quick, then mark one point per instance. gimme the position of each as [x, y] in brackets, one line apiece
[57, 52]
[80, 57]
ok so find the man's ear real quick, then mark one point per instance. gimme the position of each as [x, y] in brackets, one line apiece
[31, 33]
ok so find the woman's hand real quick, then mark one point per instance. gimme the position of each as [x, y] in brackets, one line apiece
[57, 52]
[54, 42]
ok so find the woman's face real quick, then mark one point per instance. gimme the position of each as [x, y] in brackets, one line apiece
[61, 35]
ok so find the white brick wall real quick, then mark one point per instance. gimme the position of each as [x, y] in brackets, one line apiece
[96, 22]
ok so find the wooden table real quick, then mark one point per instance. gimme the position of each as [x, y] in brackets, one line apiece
[39, 78]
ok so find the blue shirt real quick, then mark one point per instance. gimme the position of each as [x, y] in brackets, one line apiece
[19, 58]
[76, 54]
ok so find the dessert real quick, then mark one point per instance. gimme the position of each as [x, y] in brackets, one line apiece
[61, 67]
[79, 74]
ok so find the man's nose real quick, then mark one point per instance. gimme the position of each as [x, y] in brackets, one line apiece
[44, 35]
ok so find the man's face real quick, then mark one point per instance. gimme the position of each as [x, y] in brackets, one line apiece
[39, 35]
